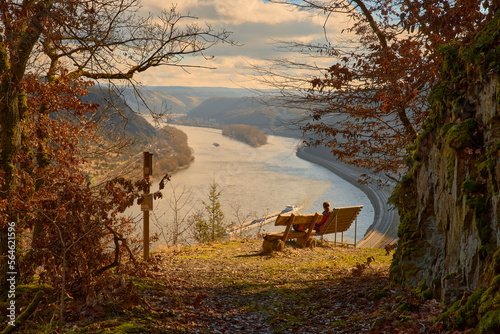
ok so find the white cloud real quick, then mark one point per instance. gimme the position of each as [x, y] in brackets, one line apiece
[256, 24]
[240, 11]
[228, 72]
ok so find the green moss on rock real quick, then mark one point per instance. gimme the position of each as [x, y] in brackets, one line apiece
[422, 291]
[487, 163]
[494, 267]
[464, 135]
[444, 317]
[467, 315]
[490, 323]
[479, 310]
[471, 186]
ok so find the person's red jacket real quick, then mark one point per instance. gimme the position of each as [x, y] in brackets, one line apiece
[318, 226]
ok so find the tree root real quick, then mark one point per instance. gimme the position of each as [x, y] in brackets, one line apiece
[25, 315]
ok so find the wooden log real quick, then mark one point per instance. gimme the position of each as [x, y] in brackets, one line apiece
[311, 243]
[276, 245]
[301, 242]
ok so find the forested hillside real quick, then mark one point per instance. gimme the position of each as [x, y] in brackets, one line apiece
[118, 119]
[127, 134]
[245, 110]
[224, 110]
[213, 107]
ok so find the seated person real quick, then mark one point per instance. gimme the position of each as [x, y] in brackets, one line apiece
[317, 226]
[326, 214]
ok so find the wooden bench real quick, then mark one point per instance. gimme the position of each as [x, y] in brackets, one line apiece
[340, 220]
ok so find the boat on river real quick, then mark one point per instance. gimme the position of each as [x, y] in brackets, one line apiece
[290, 208]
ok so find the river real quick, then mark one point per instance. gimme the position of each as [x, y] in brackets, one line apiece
[258, 181]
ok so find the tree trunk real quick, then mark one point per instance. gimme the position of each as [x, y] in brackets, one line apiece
[13, 61]
[10, 141]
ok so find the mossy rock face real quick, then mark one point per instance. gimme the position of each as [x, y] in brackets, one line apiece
[480, 310]
[470, 310]
[490, 323]
[495, 283]
[463, 313]
[491, 297]
[471, 186]
[450, 195]
[464, 135]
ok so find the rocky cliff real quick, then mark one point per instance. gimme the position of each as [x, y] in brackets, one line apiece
[449, 202]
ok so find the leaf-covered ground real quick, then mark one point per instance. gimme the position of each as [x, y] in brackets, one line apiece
[233, 288]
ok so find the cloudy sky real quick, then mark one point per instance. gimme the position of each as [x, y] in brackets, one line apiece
[256, 24]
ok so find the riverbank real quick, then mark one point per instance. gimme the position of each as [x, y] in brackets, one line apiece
[383, 230]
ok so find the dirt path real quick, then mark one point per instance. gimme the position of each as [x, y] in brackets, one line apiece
[234, 288]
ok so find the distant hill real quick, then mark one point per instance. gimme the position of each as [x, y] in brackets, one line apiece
[120, 118]
[225, 110]
[176, 99]
[242, 110]
[224, 106]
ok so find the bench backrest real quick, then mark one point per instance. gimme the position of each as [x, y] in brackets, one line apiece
[283, 220]
[340, 219]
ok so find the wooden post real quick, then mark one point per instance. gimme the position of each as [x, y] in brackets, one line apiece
[146, 236]
[355, 230]
[317, 218]
[288, 227]
[336, 216]
[147, 170]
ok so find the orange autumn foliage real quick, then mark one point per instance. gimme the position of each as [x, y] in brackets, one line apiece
[370, 103]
